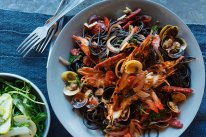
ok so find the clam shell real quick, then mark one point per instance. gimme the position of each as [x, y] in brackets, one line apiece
[178, 97]
[91, 104]
[68, 92]
[79, 101]
[164, 29]
[173, 106]
[174, 43]
[69, 76]
[169, 30]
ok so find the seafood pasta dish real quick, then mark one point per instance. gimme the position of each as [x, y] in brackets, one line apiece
[127, 76]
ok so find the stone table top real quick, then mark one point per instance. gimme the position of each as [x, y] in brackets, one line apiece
[190, 11]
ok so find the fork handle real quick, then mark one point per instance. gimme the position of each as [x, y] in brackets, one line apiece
[63, 12]
[59, 8]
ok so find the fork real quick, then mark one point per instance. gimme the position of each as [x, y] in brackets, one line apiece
[42, 45]
[40, 33]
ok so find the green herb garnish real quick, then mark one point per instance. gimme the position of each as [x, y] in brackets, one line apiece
[154, 28]
[133, 40]
[72, 58]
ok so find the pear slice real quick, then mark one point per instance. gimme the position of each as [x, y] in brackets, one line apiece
[4, 128]
[18, 131]
[25, 119]
[6, 106]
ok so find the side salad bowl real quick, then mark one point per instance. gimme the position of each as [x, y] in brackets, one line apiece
[26, 107]
[64, 43]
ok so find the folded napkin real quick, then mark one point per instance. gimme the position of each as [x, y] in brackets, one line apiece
[14, 28]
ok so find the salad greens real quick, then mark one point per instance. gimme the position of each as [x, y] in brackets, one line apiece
[21, 113]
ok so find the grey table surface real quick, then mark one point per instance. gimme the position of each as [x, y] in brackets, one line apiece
[192, 12]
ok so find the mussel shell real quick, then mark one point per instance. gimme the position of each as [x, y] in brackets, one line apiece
[173, 107]
[178, 97]
[108, 91]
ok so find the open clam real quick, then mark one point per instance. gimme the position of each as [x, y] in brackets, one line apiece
[71, 90]
[173, 46]
[92, 102]
[169, 30]
[69, 76]
[79, 100]
[173, 107]
[178, 97]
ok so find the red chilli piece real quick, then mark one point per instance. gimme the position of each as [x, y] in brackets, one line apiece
[130, 17]
[106, 22]
[176, 89]
[135, 29]
[174, 122]
[126, 26]
[133, 14]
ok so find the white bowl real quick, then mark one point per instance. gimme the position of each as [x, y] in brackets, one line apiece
[61, 106]
[37, 92]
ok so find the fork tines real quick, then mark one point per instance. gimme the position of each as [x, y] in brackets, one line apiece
[28, 44]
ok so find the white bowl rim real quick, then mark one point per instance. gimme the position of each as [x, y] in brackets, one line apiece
[99, 3]
[47, 126]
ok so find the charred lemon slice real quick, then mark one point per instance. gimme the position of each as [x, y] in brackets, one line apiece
[118, 68]
[133, 66]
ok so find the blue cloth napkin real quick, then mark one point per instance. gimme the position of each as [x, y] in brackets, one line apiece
[14, 28]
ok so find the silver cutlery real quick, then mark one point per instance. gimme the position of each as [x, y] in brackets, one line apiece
[40, 33]
[60, 27]
[42, 45]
